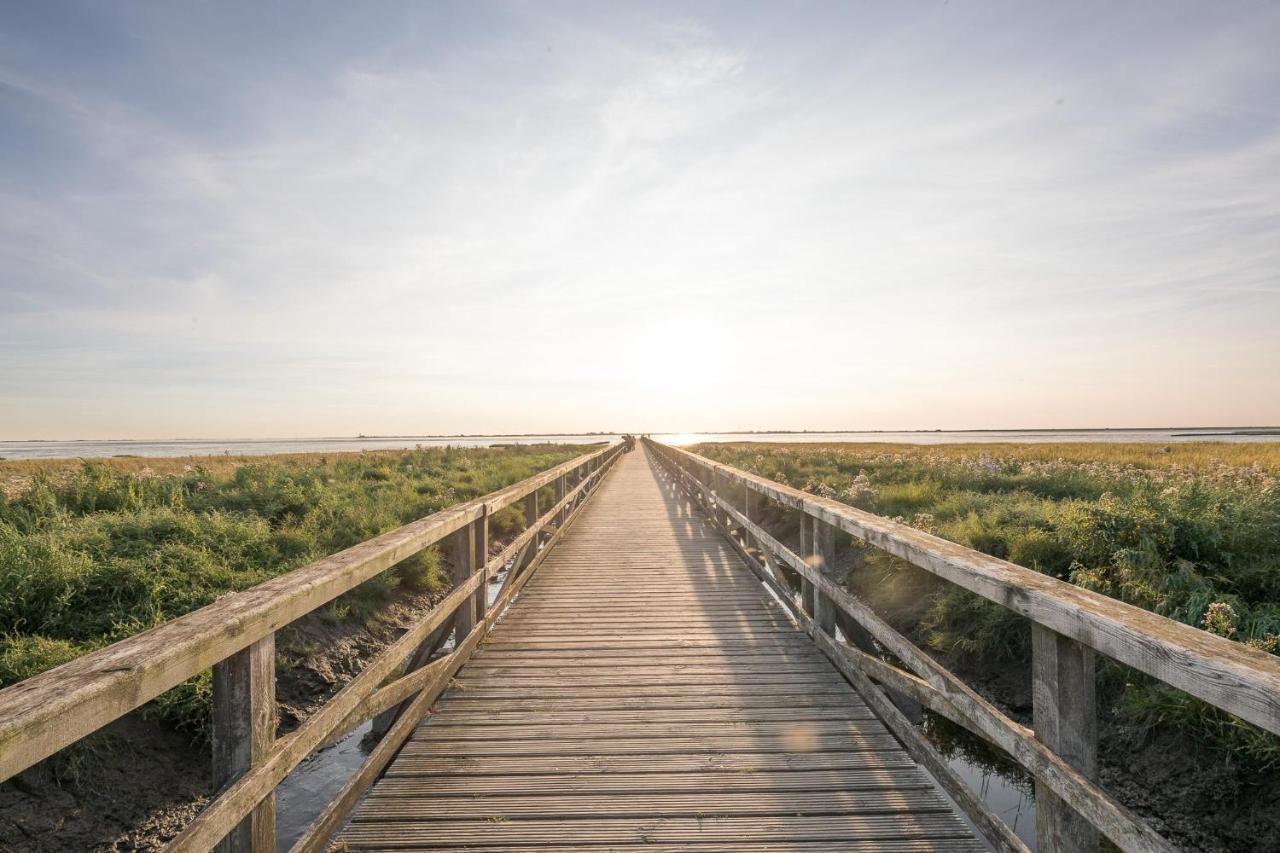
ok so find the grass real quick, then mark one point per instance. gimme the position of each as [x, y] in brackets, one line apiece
[92, 552]
[1190, 531]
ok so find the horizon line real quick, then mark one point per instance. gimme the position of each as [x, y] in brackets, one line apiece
[1236, 428]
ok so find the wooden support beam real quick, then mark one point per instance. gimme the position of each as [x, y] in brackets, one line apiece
[560, 492]
[806, 554]
[530, 519]
[244, 729]
[824, 555]
[1065, 714]
[464, 554]
[480, 538]
[421, 657]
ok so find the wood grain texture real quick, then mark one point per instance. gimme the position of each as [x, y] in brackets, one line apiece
[244, 729]
[1067, 789]
[645, 689]
[1233, 676]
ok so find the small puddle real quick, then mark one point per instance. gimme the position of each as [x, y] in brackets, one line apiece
[313, 784]
[1004, 786]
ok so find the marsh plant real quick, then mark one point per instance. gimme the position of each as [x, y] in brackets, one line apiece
[94, 552]
[1189, 531]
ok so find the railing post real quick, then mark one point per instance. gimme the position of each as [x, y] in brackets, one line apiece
[824, 558]
[481, 538]
[464, 554]
[713, 485]
[806, 553]
[244, 728]
[530, 519]
[561, 490]
[1065, 717]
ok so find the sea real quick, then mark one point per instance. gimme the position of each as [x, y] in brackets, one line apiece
[91, 448]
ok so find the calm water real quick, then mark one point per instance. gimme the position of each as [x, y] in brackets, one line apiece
[253, 446]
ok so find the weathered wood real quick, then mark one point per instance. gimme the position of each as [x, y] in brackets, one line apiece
[464, 556]
[1237, 678]
[480, 538]
[964, 706]
[317, 835]
[561, 490]
[530, 521]
[47, 712]
[431, 680]
[806, 554]
[387, 713]
[641, 646]
[1064, 705]
[244, 730]
[824, 556]
[877, 832]
[995, 830]
[343, 710]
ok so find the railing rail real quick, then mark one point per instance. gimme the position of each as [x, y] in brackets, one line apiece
[1068, 625]
[236, 637]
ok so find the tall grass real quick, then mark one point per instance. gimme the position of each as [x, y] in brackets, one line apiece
[1190, 531]
[93, 552]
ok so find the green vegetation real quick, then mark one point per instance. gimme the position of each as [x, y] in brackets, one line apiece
[1190, 531]
[93, 552]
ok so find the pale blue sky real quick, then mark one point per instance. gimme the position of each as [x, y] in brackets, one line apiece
[275, 219]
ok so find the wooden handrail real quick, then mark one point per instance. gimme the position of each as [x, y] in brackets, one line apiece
[1235, 677]
[1068, 624]
[49, 711]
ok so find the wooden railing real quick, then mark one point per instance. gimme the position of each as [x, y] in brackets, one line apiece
[1069, 625]
[236, 637]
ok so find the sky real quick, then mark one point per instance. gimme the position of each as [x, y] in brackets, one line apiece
[302, 219]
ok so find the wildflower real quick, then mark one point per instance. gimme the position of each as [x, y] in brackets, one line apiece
[1220, 618]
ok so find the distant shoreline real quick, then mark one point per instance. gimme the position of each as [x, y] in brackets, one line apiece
[1177, 431]
[95, 448]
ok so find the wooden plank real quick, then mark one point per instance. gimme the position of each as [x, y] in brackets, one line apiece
[743, 764]
[660, 830]
[501, 714]
[914, 800]
[244, 729]
[614, 698]
[801, 732]
[654, 745]
[901, 778]
[919, 845]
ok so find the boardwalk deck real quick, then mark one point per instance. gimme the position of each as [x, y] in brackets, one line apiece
[646, 693]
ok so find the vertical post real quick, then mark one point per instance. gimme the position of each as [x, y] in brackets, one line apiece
[481, 539]
[244, 727]
[824, 558]
[560, 493]
[530, 519]
[1065, 716]
[713, 485]
[464, 554]
[806, 553]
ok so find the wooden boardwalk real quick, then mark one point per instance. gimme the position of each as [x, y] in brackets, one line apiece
[645, 692]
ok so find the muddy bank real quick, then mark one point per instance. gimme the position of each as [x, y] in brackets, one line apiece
[134, 785]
